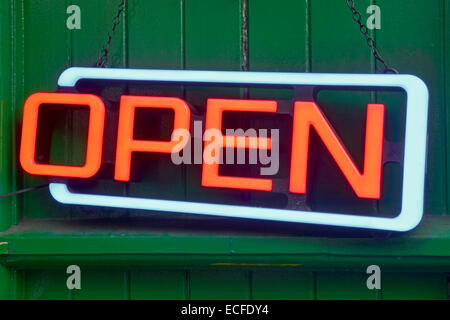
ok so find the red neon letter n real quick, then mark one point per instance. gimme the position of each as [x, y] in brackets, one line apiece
[365, 185]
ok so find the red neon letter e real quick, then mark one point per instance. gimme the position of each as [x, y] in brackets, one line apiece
[95, 134]
[215, 109]
[125, 142]
[365, 185]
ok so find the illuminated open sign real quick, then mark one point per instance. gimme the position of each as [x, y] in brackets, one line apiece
[306, 115]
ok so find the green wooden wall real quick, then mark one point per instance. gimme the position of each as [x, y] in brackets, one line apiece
[283, 35]
[227, 285]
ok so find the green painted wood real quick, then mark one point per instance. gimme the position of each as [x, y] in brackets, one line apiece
[18, 66]
[5, 281]
[304, 263]
[6, 114]
[46, 55]
[336, 44]
[212, 34]
[409, 48]
[446, 27]
[157, 285]
[268, 51]
[430, 239]
[334, 50]
[96, 20]
[413, 286]
[282, 285]
[343, 286]
[86, 43]
[17, 288]
[103, 284]
[46, 285]
[212, 42]
[155, 40]
[219, 285]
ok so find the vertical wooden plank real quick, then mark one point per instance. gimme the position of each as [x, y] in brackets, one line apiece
[6, 115]
[413, 286]
[154, 34]
[446, 28]
[338, 46]
[46, 285]
[5, 280]
[343, 286]
[155, 41]
[411, 40]
[277, 42]
[103, 284]
[46, 44]
[282, 285]
[277, 35]
[46, 55]
[96, 21]
[336, 42]
[212, 42]
[213, 35]
[157, 285]
[17, 284]
[17, 96]
[219, 285]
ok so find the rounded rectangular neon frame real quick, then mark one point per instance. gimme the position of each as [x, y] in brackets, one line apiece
[414, 152]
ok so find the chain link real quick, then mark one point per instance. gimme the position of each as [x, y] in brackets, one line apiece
[370, 41]
[103, 57]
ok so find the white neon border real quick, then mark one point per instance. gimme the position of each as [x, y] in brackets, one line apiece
[414, 159]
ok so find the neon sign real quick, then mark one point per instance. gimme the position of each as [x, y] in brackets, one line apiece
[306, 115]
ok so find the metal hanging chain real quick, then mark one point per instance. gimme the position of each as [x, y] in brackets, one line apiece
[103, 57]
[370, 41]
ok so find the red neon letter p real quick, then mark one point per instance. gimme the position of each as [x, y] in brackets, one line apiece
[125, 142]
